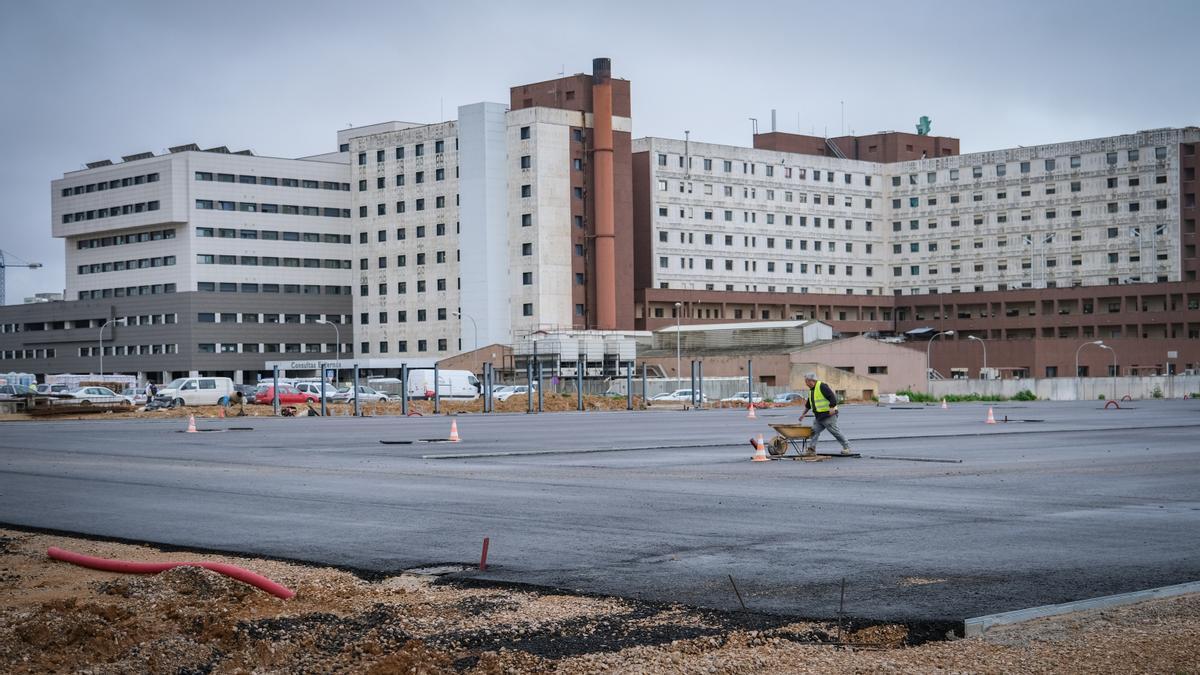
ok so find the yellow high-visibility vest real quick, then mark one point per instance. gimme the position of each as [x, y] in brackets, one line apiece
[819, 402]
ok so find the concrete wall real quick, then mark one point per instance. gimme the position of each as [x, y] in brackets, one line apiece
[897, 367]
[848, 385]
[1073, 389]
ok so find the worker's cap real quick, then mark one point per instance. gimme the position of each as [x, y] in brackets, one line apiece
[810, 376]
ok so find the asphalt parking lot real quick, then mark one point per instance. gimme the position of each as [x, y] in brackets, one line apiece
[1065, 501]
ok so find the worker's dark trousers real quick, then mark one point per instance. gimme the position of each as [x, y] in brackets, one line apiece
[831, 424]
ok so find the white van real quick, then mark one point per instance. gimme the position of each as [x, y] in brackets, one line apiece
[452, 384]
[197, 390]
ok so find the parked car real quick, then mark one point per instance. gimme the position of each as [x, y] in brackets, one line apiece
[514, 390]
[137, 395]
[8, 391]
[196, 391]
[500, 389]
[743, 397]
[790, 397]
[90, 395]
[365, 395]
[53, 389]
[314, 389]
[679, 395]
[246, 390]
[288, 395]
[458, 384]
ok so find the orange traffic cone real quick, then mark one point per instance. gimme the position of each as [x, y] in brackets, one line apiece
[944, 406]
[191, 424]
[454, 431]
[991, 418]
[760, 450]
[751, 415]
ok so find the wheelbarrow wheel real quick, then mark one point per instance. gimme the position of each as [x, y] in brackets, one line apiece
[778, 446]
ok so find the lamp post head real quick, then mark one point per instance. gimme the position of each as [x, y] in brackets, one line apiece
[679, 304]
[323, 321]
[947, 332]
[1098, 342]
[974, 337]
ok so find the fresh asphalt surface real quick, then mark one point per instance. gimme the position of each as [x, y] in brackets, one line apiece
[1082, 503]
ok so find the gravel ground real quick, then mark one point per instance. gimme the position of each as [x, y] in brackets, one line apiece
[55, 617]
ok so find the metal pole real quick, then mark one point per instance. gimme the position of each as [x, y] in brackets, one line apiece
[357, 412]
[700, 366]
[404, 389]
[750, 379]
[485, 390]
[629, 387]
[580, 366]
[540, 385]
[692, 383]
[678, 363]
[529, 386]
[321, 365]
[437, 392]
[643, 383]
[275, 391]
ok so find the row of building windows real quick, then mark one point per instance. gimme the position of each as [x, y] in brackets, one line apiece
[130, 350]
[266, 347]
[1001, 195]
[770, 195]
[122, 265]
[137, 320]
[420, 231]
[254, 317]
[245, 179]
[402, 346]
[284, 209]
[769, 266]
[751, 241]
[402, 287]
[302, 289]
[402, 260]
[110, 184]
[751, 218]
[110, 212]
[439, 147]
[126, 291]
[1025, 264]
[1134, 232]
[271, 261]
[11, 354]
[768, 170]
[401, 179]
[273, 235]
[1048, 165]
[441, 314]
[122, 239]
[439, 202]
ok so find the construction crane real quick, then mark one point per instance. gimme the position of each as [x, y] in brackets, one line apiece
[3, 266]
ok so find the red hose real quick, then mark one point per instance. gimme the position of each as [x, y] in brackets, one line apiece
[131, 567]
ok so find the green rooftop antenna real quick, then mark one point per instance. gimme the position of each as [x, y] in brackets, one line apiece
[923, 126]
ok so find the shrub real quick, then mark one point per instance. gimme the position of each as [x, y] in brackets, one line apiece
[1101, 397]
[1025, 395]
[1157, 393]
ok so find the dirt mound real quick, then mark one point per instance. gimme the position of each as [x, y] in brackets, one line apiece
[178, 584]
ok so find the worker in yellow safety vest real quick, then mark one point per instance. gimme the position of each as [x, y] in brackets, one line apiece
[823, 403]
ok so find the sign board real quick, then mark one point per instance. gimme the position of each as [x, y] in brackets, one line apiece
[1172, 355]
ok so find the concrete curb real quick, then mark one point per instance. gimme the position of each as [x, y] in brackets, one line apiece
[979, 625]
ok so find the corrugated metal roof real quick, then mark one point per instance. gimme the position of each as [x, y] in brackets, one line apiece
[749, 325]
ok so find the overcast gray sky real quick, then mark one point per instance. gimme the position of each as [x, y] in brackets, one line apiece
[83, 81]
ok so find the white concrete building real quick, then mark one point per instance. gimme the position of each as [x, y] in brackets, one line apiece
[1101, 211]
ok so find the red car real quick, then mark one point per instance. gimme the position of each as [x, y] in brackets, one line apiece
[287, 395]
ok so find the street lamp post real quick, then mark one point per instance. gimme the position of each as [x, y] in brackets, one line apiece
[118, 321]
[474, 326]
[337, 353]
[1114, 372]
[678, 361]
[982, 343]
[1099, 343]
[928, 364]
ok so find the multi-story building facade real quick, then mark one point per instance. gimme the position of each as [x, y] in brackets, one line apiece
[198, 261]
[475, 231]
